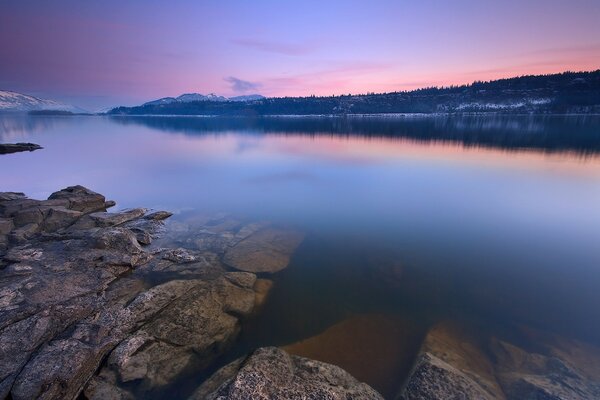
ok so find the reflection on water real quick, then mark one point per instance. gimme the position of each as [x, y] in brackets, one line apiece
[579, 134]
[408, 221]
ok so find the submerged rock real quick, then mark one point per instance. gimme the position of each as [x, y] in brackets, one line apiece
[559, 369]
[451, 365]
[374, 348]
[271, 373]
[267, 250]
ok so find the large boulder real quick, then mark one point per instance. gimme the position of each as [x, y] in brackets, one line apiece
[271, 373]
[80, 199]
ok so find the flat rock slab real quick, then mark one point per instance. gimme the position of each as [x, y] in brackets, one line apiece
[267, 250]
[7, 148]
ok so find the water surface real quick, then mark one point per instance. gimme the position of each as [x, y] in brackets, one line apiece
[490, 219]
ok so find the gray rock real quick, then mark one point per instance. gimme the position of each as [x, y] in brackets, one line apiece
[23, 234]
[271, 373]
[104, 219]
[81, 199]
[159, 215]
[7, 148]
[6, 225]
[4, 196]
[60, 218]
[191, 330]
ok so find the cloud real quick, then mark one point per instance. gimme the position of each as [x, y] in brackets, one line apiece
[241, 86]
[289, 49]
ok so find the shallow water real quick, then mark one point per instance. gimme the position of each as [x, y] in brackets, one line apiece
[488, 219]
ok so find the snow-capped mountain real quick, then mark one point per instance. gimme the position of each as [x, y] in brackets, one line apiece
[190, 97]
[13, 101]
[248, 97]
[164, 100]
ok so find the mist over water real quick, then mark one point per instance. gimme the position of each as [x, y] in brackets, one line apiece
[492, 219]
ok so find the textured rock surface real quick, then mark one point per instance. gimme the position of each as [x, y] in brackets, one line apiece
[271, 373]
[85, 304]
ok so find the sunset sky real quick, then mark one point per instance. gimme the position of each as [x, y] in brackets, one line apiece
[111, 53]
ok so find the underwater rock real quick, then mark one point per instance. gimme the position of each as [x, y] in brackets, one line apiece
[267, 250]
[374, 348]
[559, 368]
[450, 365]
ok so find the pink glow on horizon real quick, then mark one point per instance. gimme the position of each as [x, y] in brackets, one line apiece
[114, 53]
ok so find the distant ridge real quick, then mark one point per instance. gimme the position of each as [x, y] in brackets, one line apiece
[18, 102]
[567, 92]
[191, 97]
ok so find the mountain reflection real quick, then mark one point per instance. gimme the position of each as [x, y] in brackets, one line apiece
[574, 134]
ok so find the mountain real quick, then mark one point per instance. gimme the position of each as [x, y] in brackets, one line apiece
[568, 92]
[189, 97]
[192, 97]
[13, 101]
[248, 97]
[164, 100]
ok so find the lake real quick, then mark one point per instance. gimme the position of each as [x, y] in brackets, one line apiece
[489, 220]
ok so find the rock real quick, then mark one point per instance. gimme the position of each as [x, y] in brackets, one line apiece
[451, 365]
[262, 288]
[562, 369]
[374, 348]
[4, 196]
[433, 378]
[192, 330]
[179, 256]
[6, 225]
[104, 219]
[7, 148]
[63, 307]
[101, 387]
[60, 218]
[80, 199]
[159, 215]
[82, 289]
[271, 373]
[24, 233]
[267, 250]
[10, 207]
[109, 203]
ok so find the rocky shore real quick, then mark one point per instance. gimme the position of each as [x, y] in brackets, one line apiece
[95, 305]
[89, 307]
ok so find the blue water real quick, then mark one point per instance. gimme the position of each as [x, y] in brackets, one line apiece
[493, 218]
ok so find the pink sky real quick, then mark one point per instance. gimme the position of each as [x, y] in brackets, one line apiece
[112, 53]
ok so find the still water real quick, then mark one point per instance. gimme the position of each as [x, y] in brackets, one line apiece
[489, 219]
